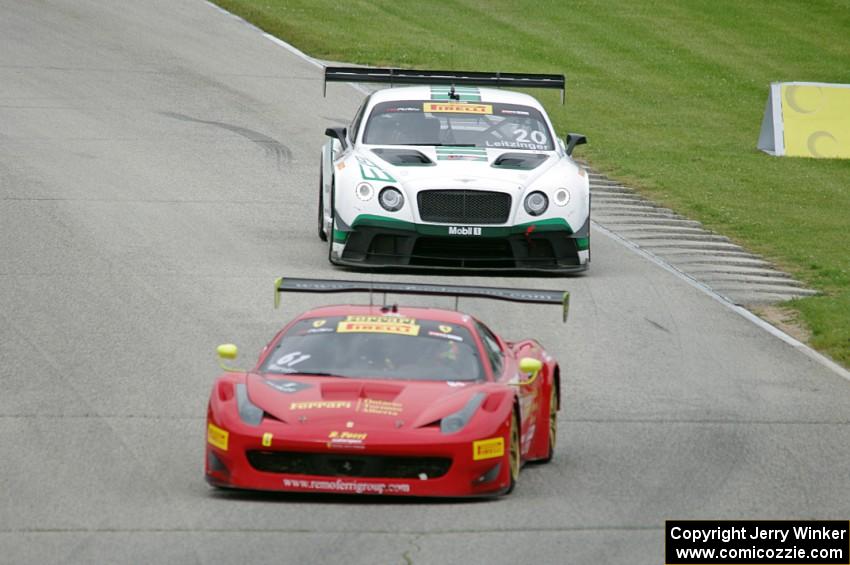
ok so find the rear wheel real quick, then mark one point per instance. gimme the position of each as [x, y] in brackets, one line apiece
[514, 452]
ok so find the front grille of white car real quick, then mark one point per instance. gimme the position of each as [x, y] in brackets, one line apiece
[464, 206]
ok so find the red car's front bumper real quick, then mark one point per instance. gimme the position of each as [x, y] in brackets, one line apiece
[424, 462]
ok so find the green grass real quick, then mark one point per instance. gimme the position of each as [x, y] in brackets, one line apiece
[670, 95]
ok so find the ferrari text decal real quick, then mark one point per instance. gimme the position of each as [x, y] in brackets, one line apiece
[446, 107]
[340, 485]
[217, 437]
[488, 448]
[320, 405]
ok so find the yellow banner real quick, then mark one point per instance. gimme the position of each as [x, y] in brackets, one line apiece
[448, 107]
[488, 448]
[217, 437]
[816, 120]
[377, 327]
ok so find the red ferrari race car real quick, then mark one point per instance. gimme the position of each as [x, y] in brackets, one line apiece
[382, 399]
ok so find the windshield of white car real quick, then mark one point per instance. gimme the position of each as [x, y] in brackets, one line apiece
[383, 347]
[418, 122]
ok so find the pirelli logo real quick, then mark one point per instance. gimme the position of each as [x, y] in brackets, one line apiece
[217, 437]
[488, 448]
[454, 108]
[378, 327]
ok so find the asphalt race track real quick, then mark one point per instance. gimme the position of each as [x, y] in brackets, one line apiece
[158, 169]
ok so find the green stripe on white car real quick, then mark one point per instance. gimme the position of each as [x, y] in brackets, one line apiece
[450, 153]
[463, 93]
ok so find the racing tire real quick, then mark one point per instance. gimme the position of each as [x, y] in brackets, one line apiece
[553, 425]
[322, 235]
[330, 234]
[589, 202]
[514, 456]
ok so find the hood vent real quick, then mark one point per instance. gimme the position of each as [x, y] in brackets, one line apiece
[355, 390]
[519, 161]
[403, 157]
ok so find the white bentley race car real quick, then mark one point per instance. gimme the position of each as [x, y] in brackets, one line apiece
[451, 175]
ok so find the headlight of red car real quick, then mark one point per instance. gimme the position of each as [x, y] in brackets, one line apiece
[248, 412]
[457, 421]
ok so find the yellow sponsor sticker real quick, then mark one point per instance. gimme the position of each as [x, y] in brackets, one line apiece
[446, 329]
[382, 319]
[318, 323]
[267, 439]
[378, 327]
[217, 437]
[320, 404]
[488, 448]
[457, 108]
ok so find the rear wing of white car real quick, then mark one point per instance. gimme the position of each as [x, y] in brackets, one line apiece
[533, 296]
[450, 78]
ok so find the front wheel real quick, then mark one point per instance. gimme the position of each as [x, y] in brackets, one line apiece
[330, 234]
[553, 425]
[330, 239]
[514, 453]
[322, 235]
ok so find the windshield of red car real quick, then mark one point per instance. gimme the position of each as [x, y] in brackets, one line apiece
[384, 347]
[471, 124]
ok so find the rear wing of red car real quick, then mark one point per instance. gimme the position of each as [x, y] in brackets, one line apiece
[533, 296]
[448, 78]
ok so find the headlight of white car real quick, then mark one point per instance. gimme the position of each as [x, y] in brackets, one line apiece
[536, 203]
[562, 197]
[391, 199]
[364, 191]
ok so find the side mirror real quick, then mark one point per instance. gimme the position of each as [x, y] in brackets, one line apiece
[574, 139]
[531, 367]
[340, 134]
[227, 352]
